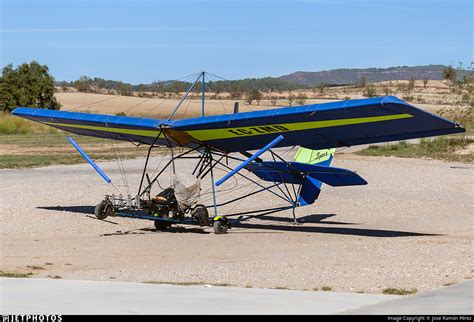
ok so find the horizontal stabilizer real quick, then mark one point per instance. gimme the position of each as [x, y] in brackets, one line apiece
[295, 172]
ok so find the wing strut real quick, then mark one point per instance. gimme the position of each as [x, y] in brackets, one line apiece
[246, 162]
[88, 159]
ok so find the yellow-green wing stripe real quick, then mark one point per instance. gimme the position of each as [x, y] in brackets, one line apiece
[151, 133]
[226, 133]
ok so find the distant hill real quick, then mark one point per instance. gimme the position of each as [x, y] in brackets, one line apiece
[372, 75]
[298, 80]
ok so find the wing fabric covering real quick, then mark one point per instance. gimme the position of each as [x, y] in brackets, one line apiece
[318, 126]
[125, 128]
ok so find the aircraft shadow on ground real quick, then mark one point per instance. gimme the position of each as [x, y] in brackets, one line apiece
[310, 219]
[89, 211]
[83, 210]
[313, 219]
[329, 230]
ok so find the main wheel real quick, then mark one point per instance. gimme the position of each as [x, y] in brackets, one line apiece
[201, 215]
[220, 226]
[161, 225]
[103, 210]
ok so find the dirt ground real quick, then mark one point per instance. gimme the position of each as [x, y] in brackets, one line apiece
[410, 227]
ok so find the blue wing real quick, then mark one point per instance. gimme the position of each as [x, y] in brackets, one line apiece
[319, 126]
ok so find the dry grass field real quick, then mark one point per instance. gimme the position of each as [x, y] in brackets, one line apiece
[160, 107]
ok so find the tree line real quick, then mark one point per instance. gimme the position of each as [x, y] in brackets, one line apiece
[236, 87]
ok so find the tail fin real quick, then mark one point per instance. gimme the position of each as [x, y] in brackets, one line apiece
[311, 187]
[321, 157]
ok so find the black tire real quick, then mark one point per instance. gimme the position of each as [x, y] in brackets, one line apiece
[201, 214]
[102, 211]
[161, 225]
[220, 227]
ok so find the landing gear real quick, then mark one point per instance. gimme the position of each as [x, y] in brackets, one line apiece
[161, 225]
[104, 210]
[201, 215]
[221, 225]
[295, 221]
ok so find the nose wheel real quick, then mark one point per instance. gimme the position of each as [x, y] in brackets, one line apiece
[221, 225]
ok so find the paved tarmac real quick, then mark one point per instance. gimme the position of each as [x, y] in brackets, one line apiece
[43, 296]
[450, 300]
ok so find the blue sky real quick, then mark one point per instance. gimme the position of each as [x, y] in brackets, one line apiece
[143, 40]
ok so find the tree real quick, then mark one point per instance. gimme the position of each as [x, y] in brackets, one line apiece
[387, 91]
[124, 89]
[28, 85]
[157, 88]
[218, 89]
[178, 87]
[83, 84]
[425, 82]
[236, 91]
[321, 88]
[301, 99]
[248, 98]
[370, 91]
[411, 84]
[274, 100]
[362, 82]
[254, 94]
[291, 98]
[450, 73]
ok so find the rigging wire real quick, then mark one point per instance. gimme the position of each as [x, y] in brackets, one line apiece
[220, 101]
[187, 106]
[121, 166]
[155, 106]
[228, 80]
[133, 106]
[90, 104]
[175, 109]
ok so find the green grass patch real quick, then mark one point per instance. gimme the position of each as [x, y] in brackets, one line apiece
[326, 288]
[461, 115]
[187, 283]
[55, 277]
[15, 274]
[29, 161]
[35, 267]
[47, 139]
[11, 125]
[37, 150]
[399, 291]
[443, 148]
[176, 283]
